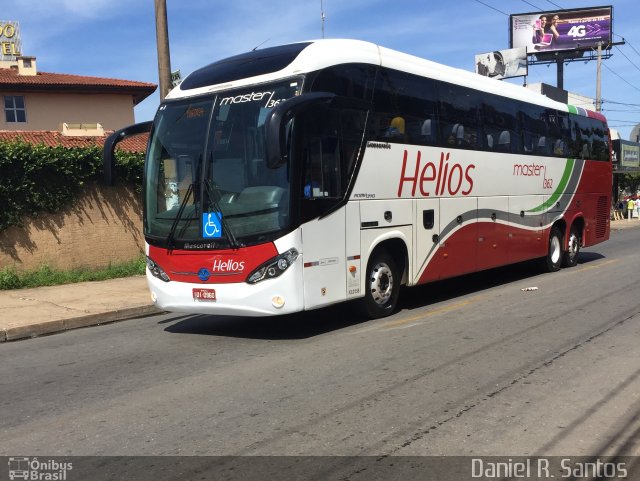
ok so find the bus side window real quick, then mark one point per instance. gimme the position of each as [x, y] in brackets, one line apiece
[321, 168]
[320, 153]
[459, 116]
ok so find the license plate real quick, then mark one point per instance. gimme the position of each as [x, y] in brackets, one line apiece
[200, 294]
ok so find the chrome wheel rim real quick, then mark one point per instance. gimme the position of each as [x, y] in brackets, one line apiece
[574, 245]
[555, 251]
[381, 283]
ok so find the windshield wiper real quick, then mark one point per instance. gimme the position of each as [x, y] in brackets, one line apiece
[214, 192]
[174, 226]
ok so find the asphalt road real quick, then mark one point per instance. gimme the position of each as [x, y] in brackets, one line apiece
[471, 366]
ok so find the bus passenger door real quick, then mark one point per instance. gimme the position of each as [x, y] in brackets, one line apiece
[323, 254]
[327, 141]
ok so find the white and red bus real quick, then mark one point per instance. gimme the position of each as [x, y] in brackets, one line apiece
[298, 176]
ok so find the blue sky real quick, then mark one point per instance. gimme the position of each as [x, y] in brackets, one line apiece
[116, 38]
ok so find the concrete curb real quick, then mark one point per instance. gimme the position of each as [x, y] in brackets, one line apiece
[59, 325]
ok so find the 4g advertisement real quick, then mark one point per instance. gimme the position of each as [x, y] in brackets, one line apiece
[549, 31]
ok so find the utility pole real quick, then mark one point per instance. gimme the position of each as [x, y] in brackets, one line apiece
[598, 79]
[162, 40]
[322, 17]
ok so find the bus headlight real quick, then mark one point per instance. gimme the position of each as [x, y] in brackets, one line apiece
[156, 270]
[273, 267]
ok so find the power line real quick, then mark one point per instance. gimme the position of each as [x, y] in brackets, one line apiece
[632, 47]
[492, 8]
[632, 111]
[625, 56]
[555, 4]
[619, 120]
[620, 103]
[620, 77]
[627, 43]
[529, 3]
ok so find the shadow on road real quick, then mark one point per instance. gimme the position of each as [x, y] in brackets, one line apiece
[301, 325]
[587, 257]
[304, 325]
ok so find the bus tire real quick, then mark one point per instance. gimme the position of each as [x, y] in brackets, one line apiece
[570, 258]
[555, 254]
[382, 286]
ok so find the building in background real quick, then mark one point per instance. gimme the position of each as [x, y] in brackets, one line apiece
[563, 96]
[56, 108]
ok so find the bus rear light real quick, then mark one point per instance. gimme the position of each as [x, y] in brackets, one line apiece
[156, 270]
[273, 267]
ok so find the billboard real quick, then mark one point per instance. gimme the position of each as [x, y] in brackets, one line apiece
[502, 63]
[629, 155]
[10, 43]
[551, 31]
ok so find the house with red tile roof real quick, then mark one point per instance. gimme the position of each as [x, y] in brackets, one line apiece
[136, 143]
[64, 109]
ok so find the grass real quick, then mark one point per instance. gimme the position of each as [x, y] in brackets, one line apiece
[10, 278]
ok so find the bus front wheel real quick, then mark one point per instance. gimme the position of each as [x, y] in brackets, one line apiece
[553, 260]
[382, 286]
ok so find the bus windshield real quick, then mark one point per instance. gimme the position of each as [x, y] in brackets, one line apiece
[206, 174]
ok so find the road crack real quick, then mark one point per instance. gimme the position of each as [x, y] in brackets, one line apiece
[493, 394]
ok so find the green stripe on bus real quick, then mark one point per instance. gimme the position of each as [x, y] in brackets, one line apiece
[566, 175]
[572, 109]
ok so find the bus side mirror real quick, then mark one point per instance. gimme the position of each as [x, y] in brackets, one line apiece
[277, 120]
[108, 152]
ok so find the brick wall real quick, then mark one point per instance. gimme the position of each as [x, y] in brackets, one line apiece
[104, 226]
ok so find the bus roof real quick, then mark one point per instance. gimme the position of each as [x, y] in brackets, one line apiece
[300, 58]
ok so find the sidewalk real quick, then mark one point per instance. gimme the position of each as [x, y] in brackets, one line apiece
[45, 310]
[625, 224]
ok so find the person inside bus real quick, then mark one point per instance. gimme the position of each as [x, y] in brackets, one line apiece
[426, 131]
[396, 129]
[559, 147]
[456, 137]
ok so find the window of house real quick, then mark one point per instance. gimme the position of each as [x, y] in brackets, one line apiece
[14, 110]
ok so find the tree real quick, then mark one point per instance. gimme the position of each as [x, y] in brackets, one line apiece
[630, 183]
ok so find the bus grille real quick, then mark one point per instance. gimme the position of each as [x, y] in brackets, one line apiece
[602, 216]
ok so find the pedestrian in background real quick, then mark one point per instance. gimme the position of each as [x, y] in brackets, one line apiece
[620, 209]
[631, 205]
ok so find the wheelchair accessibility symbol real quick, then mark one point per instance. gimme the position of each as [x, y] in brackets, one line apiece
[211, 227]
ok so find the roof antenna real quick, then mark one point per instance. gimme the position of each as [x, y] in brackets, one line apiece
[259, 45]
[322, 17]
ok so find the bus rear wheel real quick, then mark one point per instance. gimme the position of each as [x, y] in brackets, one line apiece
[553, 260]
[571, 256]
[382, 286]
